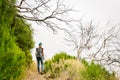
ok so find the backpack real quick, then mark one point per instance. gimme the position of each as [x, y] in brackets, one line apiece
[39, 52]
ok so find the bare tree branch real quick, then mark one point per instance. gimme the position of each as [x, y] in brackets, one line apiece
[104, 48]
[21, 2]
[45, 12]
[82, 38]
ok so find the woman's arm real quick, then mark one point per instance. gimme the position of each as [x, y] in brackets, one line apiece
[42, 52]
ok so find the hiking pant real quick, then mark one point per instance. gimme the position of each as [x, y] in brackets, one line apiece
[40, 60]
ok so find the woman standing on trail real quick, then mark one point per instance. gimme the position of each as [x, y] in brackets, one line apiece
[40, 56]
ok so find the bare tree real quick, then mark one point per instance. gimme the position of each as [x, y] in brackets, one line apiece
[82, 37]
[49, 13]
[86, 37]
[110, 46]
[103, 48]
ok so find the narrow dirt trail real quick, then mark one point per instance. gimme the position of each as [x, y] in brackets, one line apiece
[32, 74]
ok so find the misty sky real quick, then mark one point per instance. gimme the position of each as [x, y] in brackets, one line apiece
[100, 11]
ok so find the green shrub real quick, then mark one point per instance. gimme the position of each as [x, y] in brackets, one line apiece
[12, 58]
[62, 55]
[48, 65]
[24, 39]
[56, 59]
[56, 64]
[15, 42]
[64, 66]
[95, 72]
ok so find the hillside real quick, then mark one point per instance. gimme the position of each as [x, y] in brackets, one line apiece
[32, 74]
[62, 67]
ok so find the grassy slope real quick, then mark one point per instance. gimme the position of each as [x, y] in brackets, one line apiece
[68, 69]
[70, 72]
[64, 67]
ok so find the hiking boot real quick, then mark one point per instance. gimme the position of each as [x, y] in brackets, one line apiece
[41, 73]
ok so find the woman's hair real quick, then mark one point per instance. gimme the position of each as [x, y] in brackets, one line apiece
[40, 44]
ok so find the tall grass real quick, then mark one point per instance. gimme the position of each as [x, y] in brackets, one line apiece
[65, 66]
[57, 63]
[56, 59]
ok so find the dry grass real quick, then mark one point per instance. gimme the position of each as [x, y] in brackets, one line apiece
[33, 66]
[67, 69]
[31, 73]
[72, 70]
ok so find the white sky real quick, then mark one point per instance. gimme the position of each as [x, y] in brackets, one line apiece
[100, 11]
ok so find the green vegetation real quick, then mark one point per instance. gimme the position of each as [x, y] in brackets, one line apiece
[66, 66]
[96, 72]
[23, 34]
[62, 55]
[15, 42]
[12, 58]
[52, 65]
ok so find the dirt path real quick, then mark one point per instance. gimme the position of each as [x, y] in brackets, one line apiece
[32, 74]
[35, 76]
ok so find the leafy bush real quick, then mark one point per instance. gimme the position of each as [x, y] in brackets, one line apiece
[95, 72]
[24, 39]
[12, 59]
[13, 33]
[62, 55]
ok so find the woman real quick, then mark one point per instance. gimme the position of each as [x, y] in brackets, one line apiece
[40, 56]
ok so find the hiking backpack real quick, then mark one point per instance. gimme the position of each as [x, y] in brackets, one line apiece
[39, 52]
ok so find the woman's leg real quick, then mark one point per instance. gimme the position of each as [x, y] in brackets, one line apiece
[42, 64]
[38, 64]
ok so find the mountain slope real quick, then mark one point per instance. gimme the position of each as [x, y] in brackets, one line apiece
[65, 67]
